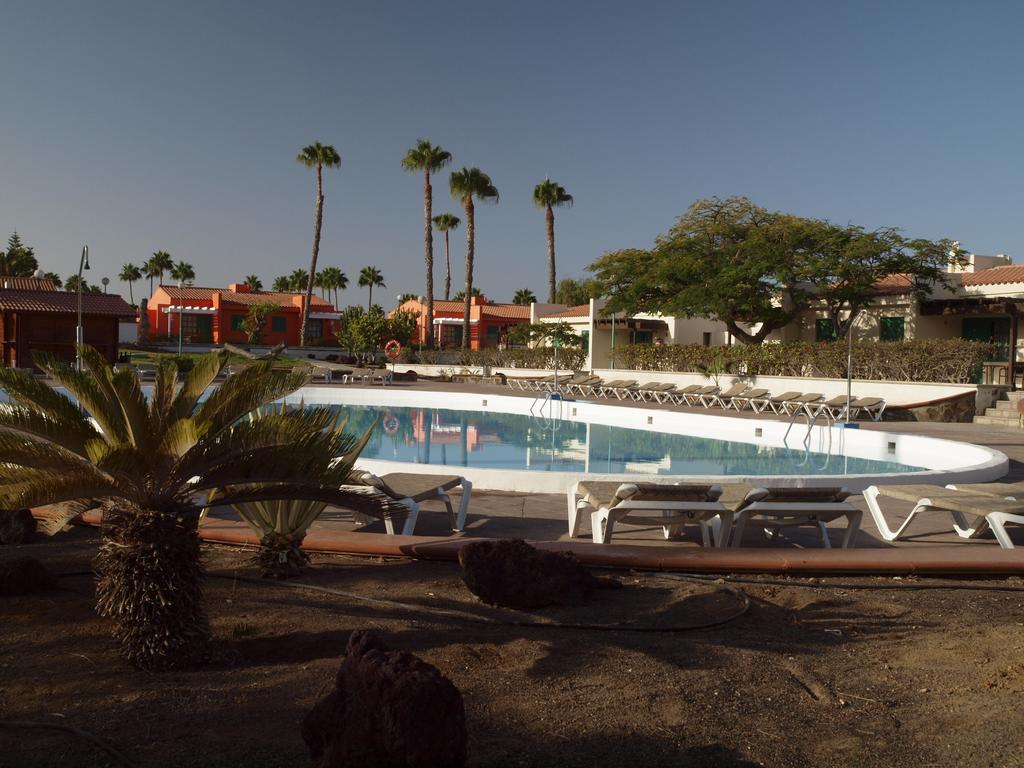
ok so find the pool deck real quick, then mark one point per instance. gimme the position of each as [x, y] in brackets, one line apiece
[543, 518]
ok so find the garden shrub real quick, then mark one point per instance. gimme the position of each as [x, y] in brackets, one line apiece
[953, 361]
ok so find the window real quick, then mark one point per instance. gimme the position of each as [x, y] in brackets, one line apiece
[891, 329]
[585, 339]
[707, 338]
[493, 334]
[643, 337]
[278, 324]
[314, 329]
[825, 330]
[236, 322]
[994, 330]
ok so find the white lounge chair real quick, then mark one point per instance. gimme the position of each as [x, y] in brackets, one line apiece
[752, 398]
[991, 512]
[724, 399]
[774, 508]
[696, 396]
[661, 504]
[777, 403]
[410, 489]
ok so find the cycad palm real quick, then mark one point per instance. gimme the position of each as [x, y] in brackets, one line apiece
[549, 195]
[317, 156]
[370, 277]
[129, 274]
[465, 184]
[151, 462]
[429, 159]
[445, 222]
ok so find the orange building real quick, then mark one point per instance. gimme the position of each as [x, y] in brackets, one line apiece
[488, 322]
[215, 315]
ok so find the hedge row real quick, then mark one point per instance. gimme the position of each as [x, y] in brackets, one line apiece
[569, 358]
[953, 361]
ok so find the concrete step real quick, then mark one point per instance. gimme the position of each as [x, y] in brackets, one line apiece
[1010, 406]
[999, 413]
[995, 421]
[1014, 396]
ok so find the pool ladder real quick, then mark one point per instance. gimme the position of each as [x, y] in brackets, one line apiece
[547, 411]
[811, 419]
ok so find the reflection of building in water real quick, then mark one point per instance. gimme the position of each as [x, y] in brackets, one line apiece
[447, 432]
[568, 450]
[646, 466]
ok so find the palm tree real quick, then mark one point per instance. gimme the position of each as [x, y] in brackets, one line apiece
[462, 294]
[160, 262]
[548, 195]
[281, 284]
[466, 184]
[129, 274]
[335, 280]
[429, 159]
[445, 222]
[317, 156]
[183, 272]
[254, 283]
[524, 297]
[57, 282]
[149, 459]
[370, 277]
[298, 280]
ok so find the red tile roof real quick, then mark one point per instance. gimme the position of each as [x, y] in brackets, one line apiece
[893, 285]
[995, 276]
[506, 311]
[63, 301]
[580, 310]
[28, 283]
[230, 297]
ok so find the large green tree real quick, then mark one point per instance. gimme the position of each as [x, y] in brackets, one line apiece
[158, 263]
[429, 159]
[466, 185]
[318, 156]
[444, 222]
[150, 462]
[371, 277]
[18, 260]
[575, 292]
[550, 195]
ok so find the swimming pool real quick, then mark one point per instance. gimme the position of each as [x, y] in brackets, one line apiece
[513, 443]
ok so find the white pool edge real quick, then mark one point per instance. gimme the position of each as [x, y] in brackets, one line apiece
[946, 461]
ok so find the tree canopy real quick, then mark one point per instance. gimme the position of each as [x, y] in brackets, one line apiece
[18, 260]
[736, 262]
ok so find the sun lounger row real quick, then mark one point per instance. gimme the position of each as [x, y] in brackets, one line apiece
[721, 513]
[724, 511]
[737, 397]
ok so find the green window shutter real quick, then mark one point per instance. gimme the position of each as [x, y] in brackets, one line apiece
[277, 324]
[891, 329]
[236, 322]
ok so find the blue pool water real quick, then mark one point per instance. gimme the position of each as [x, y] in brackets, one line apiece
[523, 442]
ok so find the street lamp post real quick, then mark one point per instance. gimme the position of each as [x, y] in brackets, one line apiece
[83, 264]
[181, 314]
[423, 336]
[106, 282]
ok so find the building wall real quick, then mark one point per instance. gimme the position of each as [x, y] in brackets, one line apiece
[25, 332]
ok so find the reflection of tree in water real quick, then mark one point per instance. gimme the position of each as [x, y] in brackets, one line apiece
[563, 448]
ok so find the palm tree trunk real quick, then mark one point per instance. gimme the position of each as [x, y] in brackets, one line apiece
[150, 585]
[317, 222]
[470, 232]
[447, 269]
[550, 216]
[428, 243]
[369, 301]
[131, 298]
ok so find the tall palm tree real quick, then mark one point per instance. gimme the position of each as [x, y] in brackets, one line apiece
[549, 195]
[429, 159]
[297, 280]
[524, 297]
[317, 156]
[281, 284]
[183, 272]
[445, 222]
[335, 280]
[254, 282]
[129, 274]
[465, 184]
[150, 460]
[160, 262]
[371, 277]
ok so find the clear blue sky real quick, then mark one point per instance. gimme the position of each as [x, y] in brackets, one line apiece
[135, 127]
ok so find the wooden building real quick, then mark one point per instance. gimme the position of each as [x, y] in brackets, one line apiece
[34, 316]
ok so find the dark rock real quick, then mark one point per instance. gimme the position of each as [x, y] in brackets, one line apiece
[17, 526]
[388, 708]
[22, 575]
[511, 573]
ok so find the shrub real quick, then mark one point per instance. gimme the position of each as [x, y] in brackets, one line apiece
[953, 361]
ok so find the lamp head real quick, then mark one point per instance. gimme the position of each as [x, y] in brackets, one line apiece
[85, 256]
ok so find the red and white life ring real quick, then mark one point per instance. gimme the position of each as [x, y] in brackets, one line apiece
[393, 349]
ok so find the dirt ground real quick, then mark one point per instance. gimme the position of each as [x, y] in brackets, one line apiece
[813, 673]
